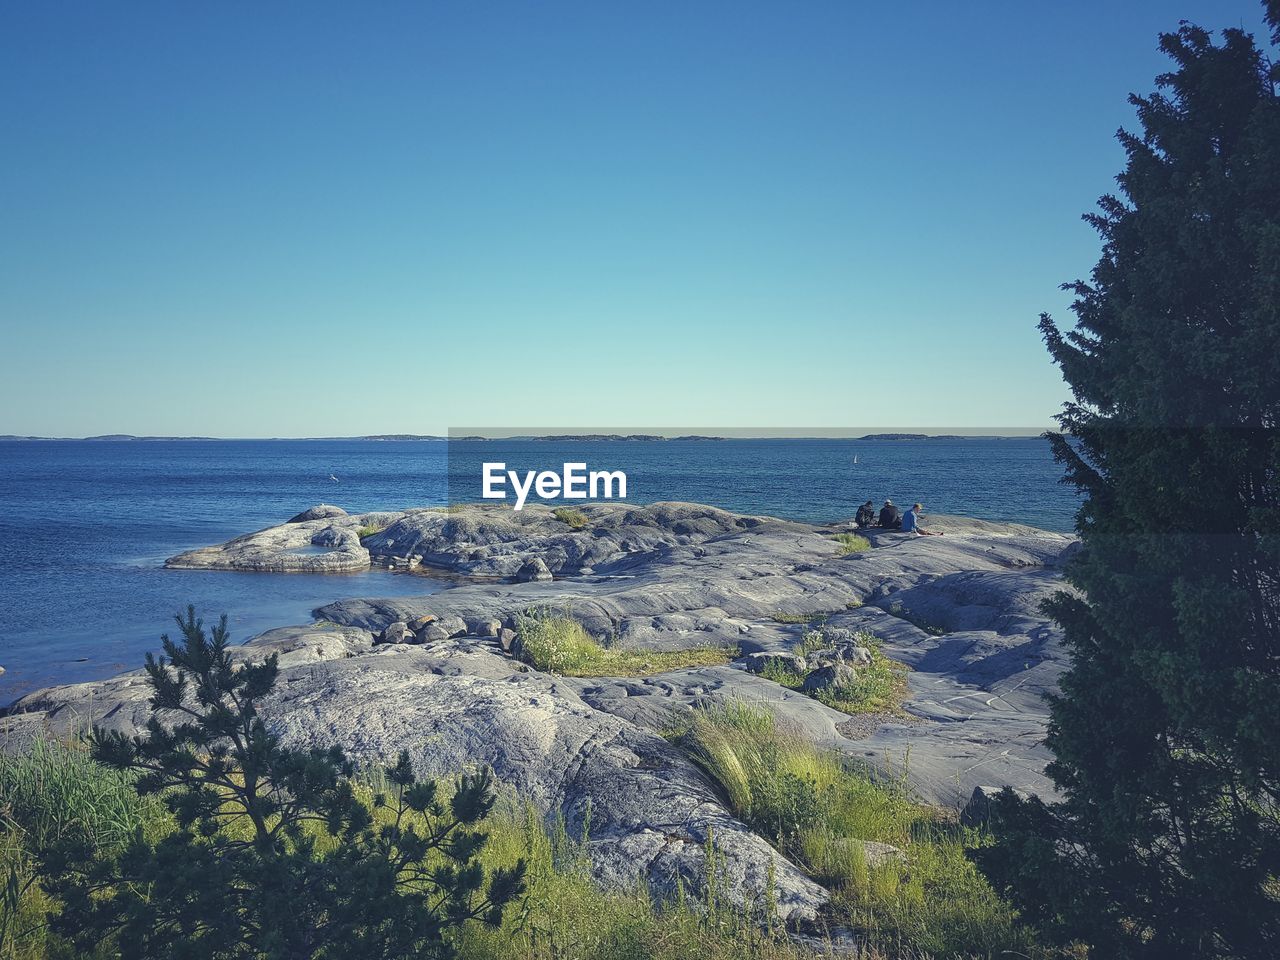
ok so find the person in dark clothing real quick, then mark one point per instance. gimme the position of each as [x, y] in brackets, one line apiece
[866, 515]
[890, 516]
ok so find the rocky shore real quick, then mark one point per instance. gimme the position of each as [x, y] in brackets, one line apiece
[435, 675]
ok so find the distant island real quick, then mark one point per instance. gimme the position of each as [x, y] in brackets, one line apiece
[539, 438]
[943, 436]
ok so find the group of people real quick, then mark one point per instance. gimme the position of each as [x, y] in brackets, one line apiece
[891, 518]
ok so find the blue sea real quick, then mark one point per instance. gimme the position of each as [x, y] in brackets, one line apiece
[85, 526]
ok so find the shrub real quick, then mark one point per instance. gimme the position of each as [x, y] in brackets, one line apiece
[369, 531]
[851, 543]
[575, 519]
[557, 643]
[273, 852]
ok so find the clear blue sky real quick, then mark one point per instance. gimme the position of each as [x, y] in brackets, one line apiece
[291, 219]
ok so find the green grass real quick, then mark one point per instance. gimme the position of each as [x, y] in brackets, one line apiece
[52, 792]
[851, 543]
[557, 643]
[815, 807]
[878, 687]
[779, 674]
[368, 531]
[800, 617]
[566, 916]
[575, 519]
[807, 800]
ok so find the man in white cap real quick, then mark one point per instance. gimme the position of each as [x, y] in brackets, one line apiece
[889, 516]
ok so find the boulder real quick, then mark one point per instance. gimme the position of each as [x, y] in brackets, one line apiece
[846, 651]
[533, 569]
[509, 640]
[432, 633]
[837, 636]
[454, 626]
[321, 511]
[396, 633]
[859, 656]
[483, 626]
[830, 677]
[822, 658]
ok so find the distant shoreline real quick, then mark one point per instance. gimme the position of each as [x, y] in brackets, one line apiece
[547, 438]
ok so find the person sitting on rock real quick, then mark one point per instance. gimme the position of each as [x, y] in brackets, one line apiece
[889, 516]
[911, 523]
[866, 515]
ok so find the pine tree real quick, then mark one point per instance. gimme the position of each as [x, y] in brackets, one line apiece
[1167, 729]
[275, 854]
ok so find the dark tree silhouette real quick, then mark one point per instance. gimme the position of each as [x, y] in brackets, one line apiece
[275, 855]
[1167, 730]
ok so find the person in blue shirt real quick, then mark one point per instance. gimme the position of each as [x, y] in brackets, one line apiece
[911, 522]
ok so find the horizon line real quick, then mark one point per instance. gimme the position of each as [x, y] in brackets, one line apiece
[774, 433]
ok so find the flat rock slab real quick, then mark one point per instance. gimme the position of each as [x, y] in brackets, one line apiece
[316, 541]
[960, 610]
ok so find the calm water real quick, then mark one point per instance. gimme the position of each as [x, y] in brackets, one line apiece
[85, 526]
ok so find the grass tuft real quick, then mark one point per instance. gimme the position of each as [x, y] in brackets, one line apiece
[800, 617]
[851, 543]
[575, 519]
[368, 531]
[557, 643]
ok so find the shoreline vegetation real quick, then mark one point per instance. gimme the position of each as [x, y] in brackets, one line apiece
[84, 815]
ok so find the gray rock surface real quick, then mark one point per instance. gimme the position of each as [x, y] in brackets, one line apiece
[959, 610]
[533, 569]
[461, 706]
[762, 661]
[398, 632]
[831, 677]
[328, 543]
[320, 511]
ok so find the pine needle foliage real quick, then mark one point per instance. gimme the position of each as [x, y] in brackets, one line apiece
[1167, 842]
[275, 854]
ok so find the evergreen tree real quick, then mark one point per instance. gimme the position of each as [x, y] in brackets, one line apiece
[275, 855]
[1167, 730]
